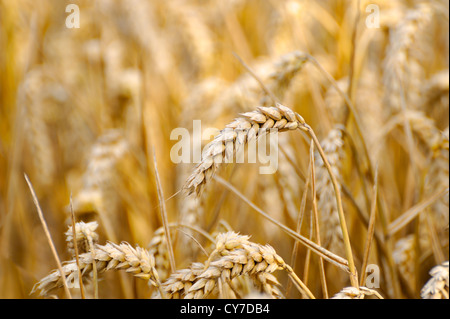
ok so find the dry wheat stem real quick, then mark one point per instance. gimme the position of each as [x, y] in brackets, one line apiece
[47, 233]
[352, 56]
[84, 237]
[248, 127]
[194, 228]
[350, 106]
[386, 249]
[83, 231]
[298, 282]
[370, 229]
[252, 125]
[299, 222]
[435, 245]
[323, 278]
[75, 245]
[413, 212]
[94, 266]
[164, 215]
[326, 254]
[346, 238]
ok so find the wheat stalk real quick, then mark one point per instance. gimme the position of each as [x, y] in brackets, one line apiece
[158, 249]
[136, 261]
[252, 125]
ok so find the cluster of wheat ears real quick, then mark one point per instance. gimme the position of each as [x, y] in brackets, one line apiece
[357, 208]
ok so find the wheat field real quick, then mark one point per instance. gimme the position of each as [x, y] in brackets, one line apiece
[93, 204]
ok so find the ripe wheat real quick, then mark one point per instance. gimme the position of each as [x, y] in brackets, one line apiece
[235, 136]
[438, 286]
[136, 261]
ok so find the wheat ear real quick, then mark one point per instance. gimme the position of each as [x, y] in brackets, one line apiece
[232, 139]
[83, 231]
[356, 293]
[238, 257]
[252, 125]
[107, 257]
[437, 286]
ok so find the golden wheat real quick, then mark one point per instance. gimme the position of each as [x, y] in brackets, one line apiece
[136, 261]
[88, 111]
[438, 286]
[231, 140]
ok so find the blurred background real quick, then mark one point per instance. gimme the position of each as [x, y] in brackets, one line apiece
[83, 110]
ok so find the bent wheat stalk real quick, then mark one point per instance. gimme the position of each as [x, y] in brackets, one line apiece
[326, 254]
[231, 140]
[250, 126]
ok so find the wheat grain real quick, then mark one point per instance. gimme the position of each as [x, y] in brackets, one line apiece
[232, 139]
[43, 98]
[356, 293]
[158, 249]
[179, 282]
[249, 260]
[435, 93]
[438, 178]
[83, 233]
[244, 92]
[136, 261]
[333, 148]
[234, 256]
[438, 286]
[404, 256]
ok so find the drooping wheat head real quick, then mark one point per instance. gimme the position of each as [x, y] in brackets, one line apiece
[231, 140]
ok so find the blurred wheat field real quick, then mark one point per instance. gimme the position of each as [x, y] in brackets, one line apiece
[87, 114]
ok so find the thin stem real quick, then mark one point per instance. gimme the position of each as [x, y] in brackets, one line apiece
[299, 226]
[352, 59]
[350, 106]
[164, 216]
[328, 255]
[413, 212]
[260, 82]
[370, 229]
[75, 245]
[298, 282]
[323, 278]
[94, 266]
[348, 248]
[49, 237]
